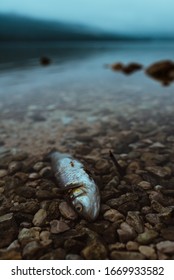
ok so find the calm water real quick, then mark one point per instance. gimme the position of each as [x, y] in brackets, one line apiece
[77, 87]
[77, 72]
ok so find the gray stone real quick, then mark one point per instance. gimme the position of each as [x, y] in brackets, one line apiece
[166, 247]
[67, 211]
[39, 217]
[58, 226]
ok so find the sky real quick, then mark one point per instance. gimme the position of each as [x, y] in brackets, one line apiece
[122, 16]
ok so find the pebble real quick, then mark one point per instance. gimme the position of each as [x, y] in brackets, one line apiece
[124, 255]
[58, 226]
[168, 233]
[10, 254]
[166, 247]
[113, 215]
[147, 237]
[28, 234]
[3, 173]
[102, 165]
[145, 185]
[157, 145]
[126, 233]
[1, 190]
[152, 218]
[39, 217]
[30, 207]
[38, 166]
[133, 167]
[162, 172]
[57, 254]
[148, 252]
[46, 172]
[95, 251]
[73, 257]
[8, 229]
[115, 202]
[112, 183]
[117, 246]
[45, 235]
[73, 246]
[14, 167]
[135, 220]
[25, 191]
[31, 250]
[33, 176]
[132, 246]
[22, 176]
[67, 211]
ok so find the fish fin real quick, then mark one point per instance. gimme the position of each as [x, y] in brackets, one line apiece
[118, 166]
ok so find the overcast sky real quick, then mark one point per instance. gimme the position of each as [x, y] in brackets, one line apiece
[130, 16]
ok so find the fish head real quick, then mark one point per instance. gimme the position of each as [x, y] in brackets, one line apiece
[86, 202]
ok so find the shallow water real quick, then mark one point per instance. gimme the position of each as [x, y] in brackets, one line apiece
[76, 89]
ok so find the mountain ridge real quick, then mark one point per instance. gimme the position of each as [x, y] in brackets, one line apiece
[21, 28]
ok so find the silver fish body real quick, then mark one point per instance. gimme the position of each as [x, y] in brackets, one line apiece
[82, 190]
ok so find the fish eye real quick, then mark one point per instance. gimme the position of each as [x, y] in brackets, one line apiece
[79, 207]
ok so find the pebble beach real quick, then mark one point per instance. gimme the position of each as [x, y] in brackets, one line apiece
[80, 107]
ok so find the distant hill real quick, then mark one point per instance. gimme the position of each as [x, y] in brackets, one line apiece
[21, 28]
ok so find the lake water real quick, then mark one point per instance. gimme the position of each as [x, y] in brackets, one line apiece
[77, 89]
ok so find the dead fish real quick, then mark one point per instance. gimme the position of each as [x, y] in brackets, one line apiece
[80, 186]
